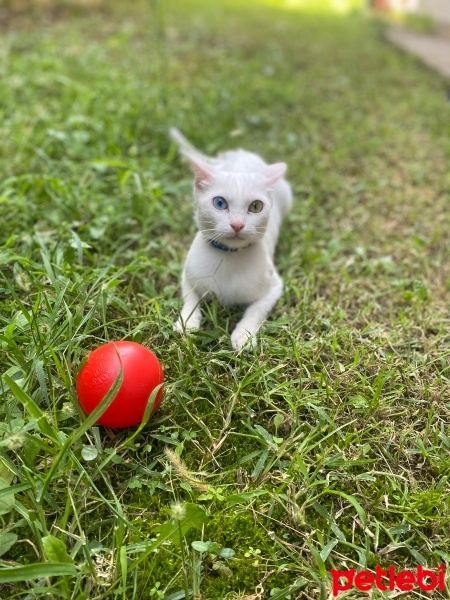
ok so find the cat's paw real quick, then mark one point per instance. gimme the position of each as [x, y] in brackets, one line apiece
[241, 339]
[184, 327]
[179, 326]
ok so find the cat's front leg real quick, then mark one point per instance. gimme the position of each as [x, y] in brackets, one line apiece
[244, 334]
[190, 316]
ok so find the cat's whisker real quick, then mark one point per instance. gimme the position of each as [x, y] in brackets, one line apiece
[215, 235]
[211, 232]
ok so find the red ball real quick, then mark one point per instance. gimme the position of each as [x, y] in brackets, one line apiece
[141, 372]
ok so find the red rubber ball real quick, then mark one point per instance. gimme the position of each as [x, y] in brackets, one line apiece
[141, 372]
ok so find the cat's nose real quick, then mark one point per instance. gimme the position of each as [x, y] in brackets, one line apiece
[237, 226]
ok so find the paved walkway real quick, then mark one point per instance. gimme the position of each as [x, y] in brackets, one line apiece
[434, 51]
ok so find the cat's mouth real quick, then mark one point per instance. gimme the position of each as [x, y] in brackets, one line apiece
[236, 240]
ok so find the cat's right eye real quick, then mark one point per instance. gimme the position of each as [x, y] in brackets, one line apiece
[220, 203]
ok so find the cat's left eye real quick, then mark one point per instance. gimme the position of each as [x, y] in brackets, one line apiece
[256, 206]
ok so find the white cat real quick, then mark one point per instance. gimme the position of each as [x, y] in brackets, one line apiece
[240, 203]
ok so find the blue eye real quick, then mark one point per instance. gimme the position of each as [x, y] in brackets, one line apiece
[220, 203]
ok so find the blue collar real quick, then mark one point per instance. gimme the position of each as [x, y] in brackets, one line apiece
[221, 246]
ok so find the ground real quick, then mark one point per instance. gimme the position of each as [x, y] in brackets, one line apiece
[325, 448]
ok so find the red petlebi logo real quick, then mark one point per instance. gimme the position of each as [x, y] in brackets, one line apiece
[387, 579]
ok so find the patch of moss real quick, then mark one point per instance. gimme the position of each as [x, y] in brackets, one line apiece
[251, 563]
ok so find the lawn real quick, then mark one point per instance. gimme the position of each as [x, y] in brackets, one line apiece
[327, 447]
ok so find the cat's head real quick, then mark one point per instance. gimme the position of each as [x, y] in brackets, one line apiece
[233, 208]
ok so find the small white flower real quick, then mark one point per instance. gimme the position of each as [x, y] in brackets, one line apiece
[15, 440]
[178, 511]
[67, 409]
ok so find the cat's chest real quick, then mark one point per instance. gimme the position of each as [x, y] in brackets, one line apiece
[234, 277]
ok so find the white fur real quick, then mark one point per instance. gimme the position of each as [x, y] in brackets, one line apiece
[248, 276]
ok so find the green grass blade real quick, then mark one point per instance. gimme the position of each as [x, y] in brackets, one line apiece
[36, 571]
[83, 428]
[359, 509]
[33, 409]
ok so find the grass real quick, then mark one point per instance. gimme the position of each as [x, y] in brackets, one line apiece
[326, 448]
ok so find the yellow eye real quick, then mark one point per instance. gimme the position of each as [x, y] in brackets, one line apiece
[256, 206]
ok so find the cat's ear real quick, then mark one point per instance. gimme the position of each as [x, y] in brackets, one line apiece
[203, 174]
[274, 172]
